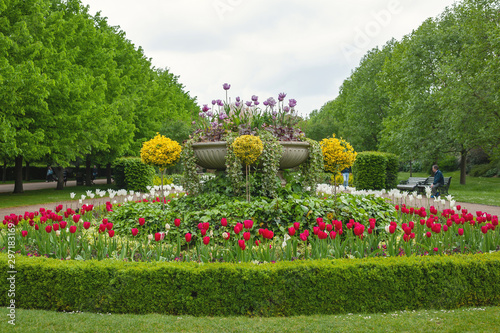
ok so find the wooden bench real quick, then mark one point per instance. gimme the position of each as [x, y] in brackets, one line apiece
[428, 182]
[410, 184]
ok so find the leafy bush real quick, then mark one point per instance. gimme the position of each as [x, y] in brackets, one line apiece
[279, 289]
[132, 174]
[391, 171]
[277, 214]
[369, 171]
[416, 166]
[448, 163]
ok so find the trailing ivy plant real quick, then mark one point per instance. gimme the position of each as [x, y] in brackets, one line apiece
[270, 162]
[190, 179]
[312, 168]
[233, 166]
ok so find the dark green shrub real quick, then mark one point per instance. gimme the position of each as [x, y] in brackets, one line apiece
[369, 171]
[281, 289]
[448, 163]
[132, 174]
[483, 170]
[391, 171]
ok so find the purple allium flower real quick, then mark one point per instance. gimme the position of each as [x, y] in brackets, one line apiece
[256, 102]
[281, 97]
[238, 99]
[214, 101]
[220, 103]
[286, 109]
[205, 108]
[248, 103]
[292, 103]
[237, 104]
[272, 102]
[254, 98]
[226, 86]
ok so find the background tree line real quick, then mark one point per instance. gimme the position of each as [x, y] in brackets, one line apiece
[72, 87]
[435, 92]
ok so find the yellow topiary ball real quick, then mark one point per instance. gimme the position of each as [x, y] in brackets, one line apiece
[248, 148]
[160, 152]
[338, 154]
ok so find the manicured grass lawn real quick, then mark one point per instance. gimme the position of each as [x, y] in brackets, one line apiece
[478, 190]
[484, 319]
[37, 197]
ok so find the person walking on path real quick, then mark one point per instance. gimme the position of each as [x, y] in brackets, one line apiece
[438, 180]
[345, 174]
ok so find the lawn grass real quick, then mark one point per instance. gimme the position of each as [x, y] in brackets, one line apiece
[479, 190]
[37, 197]
[485, 319]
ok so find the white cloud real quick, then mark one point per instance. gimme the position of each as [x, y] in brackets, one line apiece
[304, 48]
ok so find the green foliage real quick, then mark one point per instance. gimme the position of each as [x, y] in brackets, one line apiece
[484, 170]
[391, 171]
[380, 285]
[312, 169]
[448, 163]
[369, 171]
[132, 174]
[190, 178]
[129, 213]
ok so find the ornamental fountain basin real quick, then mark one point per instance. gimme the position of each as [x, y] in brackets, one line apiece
[212, 155]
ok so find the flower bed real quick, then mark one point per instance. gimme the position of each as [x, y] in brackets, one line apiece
[216, 228]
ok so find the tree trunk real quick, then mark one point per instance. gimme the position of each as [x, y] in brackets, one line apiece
[463, 165]
[108, 173]
[88, 172]
[411, 171]
[18, 172]
[4, 172]
[27, 175]
[60, 179]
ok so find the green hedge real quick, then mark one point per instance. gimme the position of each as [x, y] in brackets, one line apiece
[132, 174]
[280, 289]
[391, 171]
[369, 171]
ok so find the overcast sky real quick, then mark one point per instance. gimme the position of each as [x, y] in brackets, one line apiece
[303, 48]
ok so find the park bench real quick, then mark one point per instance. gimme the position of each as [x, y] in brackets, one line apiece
[427, 183]
[410, 184]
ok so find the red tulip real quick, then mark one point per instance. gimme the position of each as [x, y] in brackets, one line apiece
[459, 207]
[72, 229]
[321, 225]
[319, 219]
[188, 237]
[242, 244]
[223, 222]
[206, 225]
[291, 231]
[248, 224]
[55, 226]
[203, 232]
[157, 237]
[177, 222]
[303, 236]
[135, 231]
[24, 233]
[484, 229]
[315, 230]
[392, 229]
[59, 208]
[370, 230]
[37, 227]
[257, 242]
[296, 225]
[237, 228]
[104, 221]
[76, 218]
[246, 236]
[329, 227]
[206, 240]
[48, 228]
[428, 234]
[109, 226]
[333, 234]
[460, 231]
[102, 227]
[142, 220]
[63, 224]
[86, 225]
[111, 233]
[322, 235]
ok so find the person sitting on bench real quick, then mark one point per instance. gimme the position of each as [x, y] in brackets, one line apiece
[438, 180]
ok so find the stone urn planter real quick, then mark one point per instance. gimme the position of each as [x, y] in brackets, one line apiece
[212, 155]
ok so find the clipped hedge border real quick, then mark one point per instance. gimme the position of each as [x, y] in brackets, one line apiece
[280, 289]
